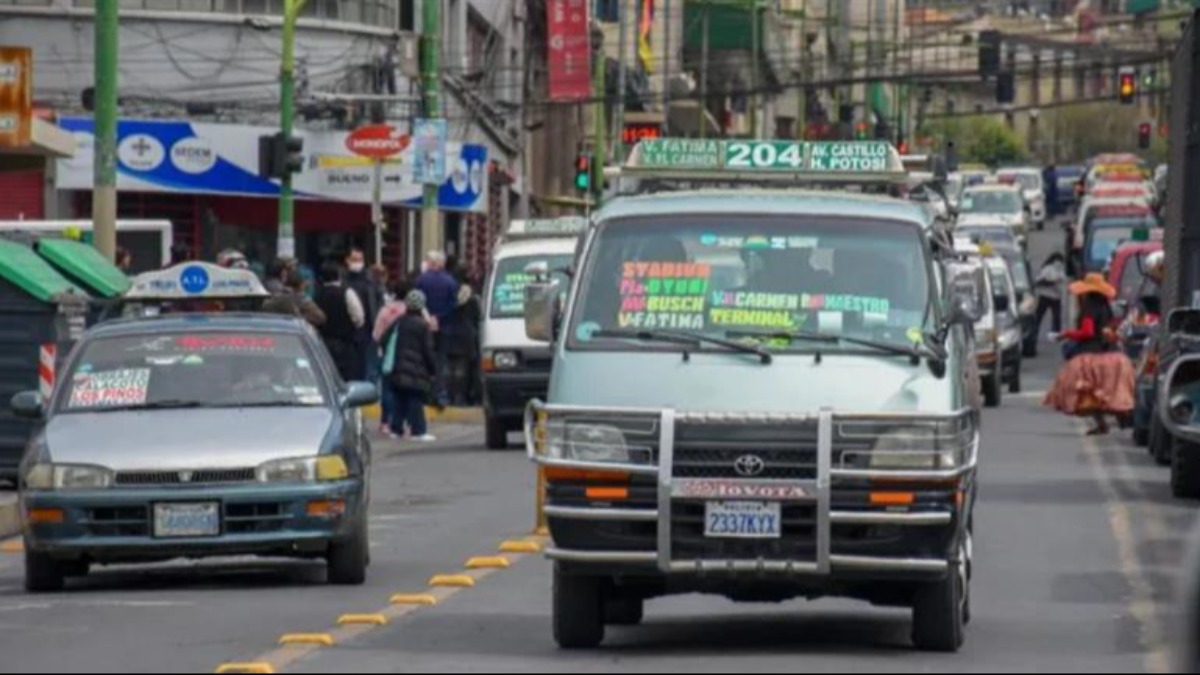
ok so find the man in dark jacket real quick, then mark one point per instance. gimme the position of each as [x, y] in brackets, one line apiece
[344, 318]
[441, 294]
[412, 369]
[371, 294]
[286, 286]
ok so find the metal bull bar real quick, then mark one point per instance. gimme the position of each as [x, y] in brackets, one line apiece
[670, 489]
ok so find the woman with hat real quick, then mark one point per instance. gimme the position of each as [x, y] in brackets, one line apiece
[1098, 380]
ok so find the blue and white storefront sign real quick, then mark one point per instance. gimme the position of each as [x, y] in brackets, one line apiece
[182, 157]
[429, 140]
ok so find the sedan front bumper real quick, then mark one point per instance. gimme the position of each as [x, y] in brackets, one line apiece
[117, 526]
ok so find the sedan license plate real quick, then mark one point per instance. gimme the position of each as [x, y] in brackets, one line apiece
[174, 521]
[743, 520]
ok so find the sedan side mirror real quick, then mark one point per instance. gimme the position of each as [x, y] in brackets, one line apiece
[360, 395]
[964, 311]
[29, 405]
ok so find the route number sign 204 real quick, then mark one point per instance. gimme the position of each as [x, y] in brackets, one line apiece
[765, 156]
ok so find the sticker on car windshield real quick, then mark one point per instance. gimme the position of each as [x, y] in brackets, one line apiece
[225, 343]
[110, 389]
[663, 295]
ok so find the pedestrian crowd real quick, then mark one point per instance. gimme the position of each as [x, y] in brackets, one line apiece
[416, 338]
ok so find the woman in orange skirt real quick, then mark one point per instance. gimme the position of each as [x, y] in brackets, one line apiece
[1098, 380]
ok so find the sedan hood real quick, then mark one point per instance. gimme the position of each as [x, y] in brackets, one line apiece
[177, 440]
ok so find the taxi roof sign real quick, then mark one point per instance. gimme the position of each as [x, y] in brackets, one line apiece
[568, 226]
[846, 162]
[196, 281]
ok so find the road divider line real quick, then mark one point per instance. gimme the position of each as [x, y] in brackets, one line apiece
[354, 626]
[425, 600]
[1142, 606]
[315, 639]
[452, 581]
[489, 563]
[362, 620]
[256, 668]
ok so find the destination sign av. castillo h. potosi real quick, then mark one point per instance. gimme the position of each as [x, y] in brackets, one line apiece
[769, 156]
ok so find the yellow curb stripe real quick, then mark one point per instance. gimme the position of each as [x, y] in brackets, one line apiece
[318, 639]
[13, 546]
[489, 563]
[258, 668]
[418, 600]
[362, 620]
[452, 581]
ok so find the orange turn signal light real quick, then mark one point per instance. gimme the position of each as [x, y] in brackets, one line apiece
[586, 476]
[330, 508]
[607, 494]
[893, 499]
[46, 516]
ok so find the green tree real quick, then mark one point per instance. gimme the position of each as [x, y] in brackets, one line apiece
[981, 140]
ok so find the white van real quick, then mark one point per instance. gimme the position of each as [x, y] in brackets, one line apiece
[516, 370]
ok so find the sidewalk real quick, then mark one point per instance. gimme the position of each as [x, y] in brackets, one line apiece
[10, 515]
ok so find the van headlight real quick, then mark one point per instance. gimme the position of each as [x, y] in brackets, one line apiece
[915, 449]
[304, 470]
[54, 477]
[506, 360]
[597, 443]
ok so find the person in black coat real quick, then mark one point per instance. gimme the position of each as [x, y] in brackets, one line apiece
[413, 369]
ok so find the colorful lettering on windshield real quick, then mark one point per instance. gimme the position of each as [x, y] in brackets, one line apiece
[656, 295]
[197, 343]
[110, 389]
[510, 292]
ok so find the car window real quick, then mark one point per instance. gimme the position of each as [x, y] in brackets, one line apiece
[202, 369]
[510, 281]
[991, 202]
[723, 276]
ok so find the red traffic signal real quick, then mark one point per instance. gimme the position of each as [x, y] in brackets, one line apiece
[1145, 135]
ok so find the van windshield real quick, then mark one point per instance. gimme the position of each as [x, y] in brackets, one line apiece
[511, 279]
[991, 202]
[735, 277]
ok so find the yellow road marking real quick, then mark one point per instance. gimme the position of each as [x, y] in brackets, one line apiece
[492, 563]
[425, 600]
[520, 547]
[317, 639]
[362, 620]
[13, 546]
[251, 668]
[1143, 606]
[452, 581]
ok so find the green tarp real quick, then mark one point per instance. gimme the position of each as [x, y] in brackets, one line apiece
[84, 264]
[21, 267]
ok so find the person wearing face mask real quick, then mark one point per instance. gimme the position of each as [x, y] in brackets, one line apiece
[359, 280]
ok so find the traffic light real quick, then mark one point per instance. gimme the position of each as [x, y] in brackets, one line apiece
[862, 131]
[1150, 79]
[1006, 88]
[1128, 87]
[1145, 135]
[583, 172]
[989, 53]
[280, 156]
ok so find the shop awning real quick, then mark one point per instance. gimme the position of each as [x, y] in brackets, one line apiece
[47, 140]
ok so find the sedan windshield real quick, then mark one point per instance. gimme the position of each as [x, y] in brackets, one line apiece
[735, 277]
[992, 203]
[194, 370]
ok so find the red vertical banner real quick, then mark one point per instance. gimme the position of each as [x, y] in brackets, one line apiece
[570, 50]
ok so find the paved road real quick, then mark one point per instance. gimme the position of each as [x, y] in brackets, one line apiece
[1078, 546]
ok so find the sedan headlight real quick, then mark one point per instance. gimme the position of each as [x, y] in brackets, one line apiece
[52, 477]
[304, 470]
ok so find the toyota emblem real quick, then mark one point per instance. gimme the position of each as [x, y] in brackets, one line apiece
[750, 466]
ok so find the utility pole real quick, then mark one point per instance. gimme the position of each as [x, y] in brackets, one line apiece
[667, 56]
[104, 195]
[287, 122]
[600, 93]
[432, 236]
[622, 47]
